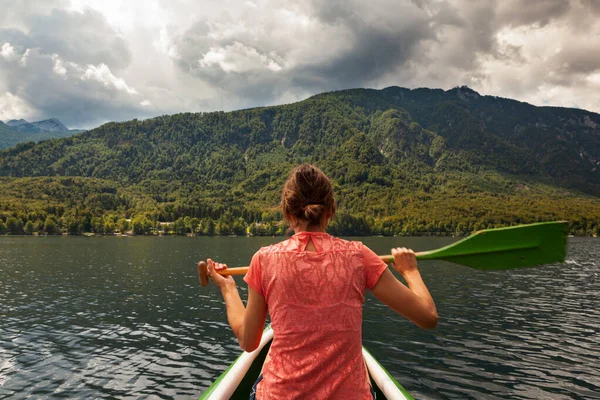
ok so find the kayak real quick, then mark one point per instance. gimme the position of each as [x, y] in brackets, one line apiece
[237, 381]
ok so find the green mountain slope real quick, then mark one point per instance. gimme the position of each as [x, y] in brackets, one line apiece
[403, 162]
[9, 137]
[562, 143]
[4, 128]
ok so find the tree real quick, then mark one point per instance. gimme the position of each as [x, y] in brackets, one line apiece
[108, 226]
[97, 225]
[210, 228]
[222, 227]
[73, 227]
[123, 226]
[138, 225]
[193, 224]
[50, 226]
[141, 225]
[14, 226]
[29, 228]
[39, 226]
[239, 227]
[179, 227]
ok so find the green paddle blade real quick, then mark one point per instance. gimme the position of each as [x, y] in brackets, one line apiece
[505, 248]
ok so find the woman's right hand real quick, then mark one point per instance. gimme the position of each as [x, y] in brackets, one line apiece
[405, 260]
[223, 282]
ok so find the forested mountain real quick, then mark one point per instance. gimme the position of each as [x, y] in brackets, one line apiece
[403, 162]
[19, 131]
[559, 142]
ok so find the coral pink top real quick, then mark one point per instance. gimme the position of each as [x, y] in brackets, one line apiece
[315, 302]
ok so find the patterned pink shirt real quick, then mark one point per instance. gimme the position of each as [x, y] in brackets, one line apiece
[315, 302]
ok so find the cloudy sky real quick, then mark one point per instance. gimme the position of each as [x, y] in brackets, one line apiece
[87, 62]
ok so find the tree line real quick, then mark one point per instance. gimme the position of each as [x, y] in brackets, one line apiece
[421, 218]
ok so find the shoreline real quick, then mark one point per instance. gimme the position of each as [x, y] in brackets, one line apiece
[91, 235]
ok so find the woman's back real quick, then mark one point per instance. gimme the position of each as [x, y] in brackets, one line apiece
[315, 302]
[313, 287]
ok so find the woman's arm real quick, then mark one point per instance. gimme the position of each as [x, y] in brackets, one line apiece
[247, 322]
[413, 302]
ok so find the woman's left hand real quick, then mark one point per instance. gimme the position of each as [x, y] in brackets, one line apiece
[223, 282]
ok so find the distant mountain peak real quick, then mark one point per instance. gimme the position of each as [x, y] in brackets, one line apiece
[51, 125]
[16, 122]
[46, 125]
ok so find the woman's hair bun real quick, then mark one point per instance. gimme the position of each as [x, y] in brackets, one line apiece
[313, 212]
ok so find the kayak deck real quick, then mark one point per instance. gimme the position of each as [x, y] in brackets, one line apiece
[237, 381]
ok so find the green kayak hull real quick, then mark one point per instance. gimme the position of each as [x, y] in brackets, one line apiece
[237, 381]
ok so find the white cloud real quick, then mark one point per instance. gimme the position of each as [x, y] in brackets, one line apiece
[8, 52]
[240, 58]
[24, 57]
[13, 107]
[59, 68]
[594, 79]
[102, 74]
[163, 44]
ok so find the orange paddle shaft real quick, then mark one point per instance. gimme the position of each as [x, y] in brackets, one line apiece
[203, 270]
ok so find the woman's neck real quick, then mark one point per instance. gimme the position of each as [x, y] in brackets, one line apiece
[304, 227]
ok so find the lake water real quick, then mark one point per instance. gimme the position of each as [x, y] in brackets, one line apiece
[124, 317]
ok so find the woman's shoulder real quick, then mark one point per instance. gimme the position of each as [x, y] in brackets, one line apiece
[275, 247]
[346, 244]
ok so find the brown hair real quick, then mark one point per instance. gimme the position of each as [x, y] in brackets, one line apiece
[308, 195]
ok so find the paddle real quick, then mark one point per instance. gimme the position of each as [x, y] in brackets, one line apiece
[487, 250]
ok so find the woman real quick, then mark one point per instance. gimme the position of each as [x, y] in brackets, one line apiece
[313, 287]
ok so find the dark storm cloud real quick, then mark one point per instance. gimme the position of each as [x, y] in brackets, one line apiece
[353, 47]
[375, 49]
[358, 44]
[580, 58]
[83, 38]
[64, 65]
[593, 6]
[408, 43]
[182, 56]
[73, 97]
[519, 13]
[192, 45]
